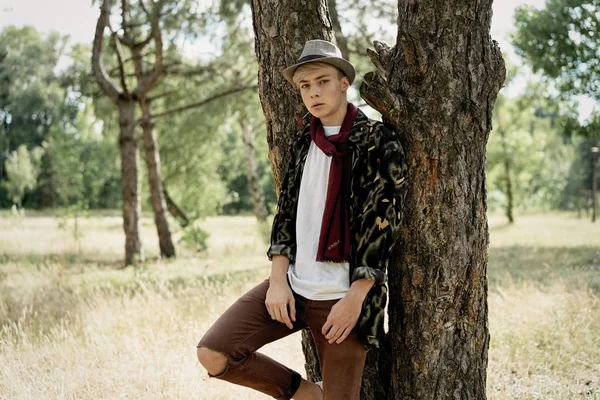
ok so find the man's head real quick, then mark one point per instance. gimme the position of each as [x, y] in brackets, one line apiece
[323, 78]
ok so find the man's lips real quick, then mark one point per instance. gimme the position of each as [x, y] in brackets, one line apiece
[316, 105]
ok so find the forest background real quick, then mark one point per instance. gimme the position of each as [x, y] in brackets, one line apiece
[59, 134]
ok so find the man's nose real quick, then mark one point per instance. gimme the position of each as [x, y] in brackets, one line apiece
[315, 92]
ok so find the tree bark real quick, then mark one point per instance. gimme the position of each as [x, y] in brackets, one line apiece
[129, 182]
[442, 79]
[159, 206]
[256, 192]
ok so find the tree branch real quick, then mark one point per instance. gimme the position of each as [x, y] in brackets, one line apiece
[150, 79]
[188, 72]
[99, 73]
[120, 62]
[375, 91]
[160, 95]
[200, 103]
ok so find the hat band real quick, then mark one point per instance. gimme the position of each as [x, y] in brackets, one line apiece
[310, 57]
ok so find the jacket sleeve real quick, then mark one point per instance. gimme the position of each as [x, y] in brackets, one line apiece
[283, 231]
[383, 210]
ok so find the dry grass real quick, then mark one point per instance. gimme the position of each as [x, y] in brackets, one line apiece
[74, 327]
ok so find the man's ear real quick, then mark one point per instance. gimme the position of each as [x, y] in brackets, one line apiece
[345, 83]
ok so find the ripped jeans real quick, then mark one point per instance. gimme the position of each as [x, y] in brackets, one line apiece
[247, 326]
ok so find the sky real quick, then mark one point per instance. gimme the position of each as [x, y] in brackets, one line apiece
[78, 18]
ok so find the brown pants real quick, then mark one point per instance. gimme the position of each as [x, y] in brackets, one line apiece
[247, 326]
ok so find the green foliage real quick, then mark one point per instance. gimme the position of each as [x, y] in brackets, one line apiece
[203, 159]
[527, 137]
[194, 237]
[80, 167]
[576, 194]
[31, 102]
[22, 168]
[562, 42]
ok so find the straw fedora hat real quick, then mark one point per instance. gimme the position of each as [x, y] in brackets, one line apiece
[321, 51]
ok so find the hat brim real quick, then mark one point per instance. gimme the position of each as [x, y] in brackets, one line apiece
[337, 62]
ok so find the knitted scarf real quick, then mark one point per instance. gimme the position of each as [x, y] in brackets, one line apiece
[334, 241]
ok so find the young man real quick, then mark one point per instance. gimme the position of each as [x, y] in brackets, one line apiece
[337, 220]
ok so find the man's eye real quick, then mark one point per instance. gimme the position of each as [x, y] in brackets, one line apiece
[304, 86]
[325, 81]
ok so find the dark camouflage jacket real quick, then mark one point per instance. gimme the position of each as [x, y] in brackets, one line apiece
[378, 187]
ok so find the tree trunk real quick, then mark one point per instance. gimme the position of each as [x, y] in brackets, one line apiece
[443, 77]
[124, 99]
[509, 192]
[281, 28]
[129, 175]
[159, 206]
[340, 38]
[256, 192]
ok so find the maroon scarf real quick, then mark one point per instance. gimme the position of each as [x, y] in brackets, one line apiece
[334, 242]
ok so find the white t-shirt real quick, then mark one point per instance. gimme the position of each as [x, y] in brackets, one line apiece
[309, 278]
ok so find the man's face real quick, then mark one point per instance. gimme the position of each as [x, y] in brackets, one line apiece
[324, 93]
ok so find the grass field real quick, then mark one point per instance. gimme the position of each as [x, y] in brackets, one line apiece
[75, 326]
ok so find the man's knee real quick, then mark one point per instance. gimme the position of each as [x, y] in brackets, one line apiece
[214, 362]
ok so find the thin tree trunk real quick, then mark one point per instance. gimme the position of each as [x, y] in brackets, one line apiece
[129, 182]
[340, 38]
[281, 28]
[159, 206]
[509, 193]
[256, 192]
[446, 66]
[175, 210]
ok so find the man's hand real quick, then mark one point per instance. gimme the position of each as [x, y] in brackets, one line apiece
[344, 314]
[341, 319]
[279, 295]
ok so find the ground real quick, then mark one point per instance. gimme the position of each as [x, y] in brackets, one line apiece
[75, 326]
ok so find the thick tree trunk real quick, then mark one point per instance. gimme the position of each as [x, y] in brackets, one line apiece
[443, 77]
[281, 28]
[159, 206]
[129, 175]
[256, 192]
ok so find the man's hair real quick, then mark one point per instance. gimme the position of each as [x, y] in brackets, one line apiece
[305, 69]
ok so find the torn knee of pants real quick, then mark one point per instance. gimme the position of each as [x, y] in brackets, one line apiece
[221, 374]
